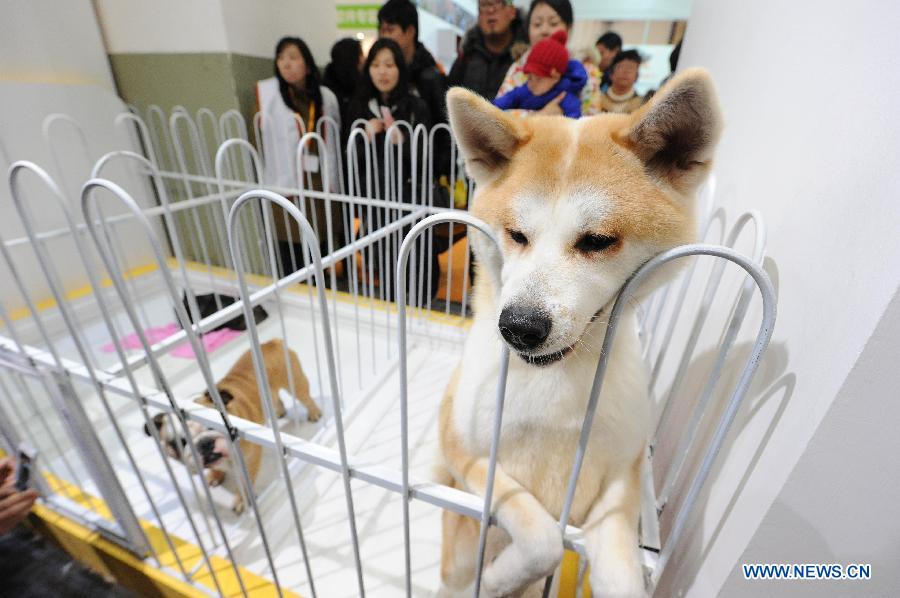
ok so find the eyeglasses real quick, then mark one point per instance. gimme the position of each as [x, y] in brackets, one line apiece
[491, 5]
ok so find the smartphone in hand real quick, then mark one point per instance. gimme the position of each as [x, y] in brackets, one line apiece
[26, 456]
[387, 117]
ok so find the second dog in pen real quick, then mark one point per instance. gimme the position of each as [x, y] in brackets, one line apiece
[240, 394]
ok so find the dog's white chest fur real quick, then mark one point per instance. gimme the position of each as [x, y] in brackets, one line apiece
[544, 410]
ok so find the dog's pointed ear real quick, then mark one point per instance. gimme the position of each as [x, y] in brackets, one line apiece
[487, 136]
[675, 134]
[226, 397]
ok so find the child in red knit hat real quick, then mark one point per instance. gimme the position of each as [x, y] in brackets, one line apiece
[550, 73]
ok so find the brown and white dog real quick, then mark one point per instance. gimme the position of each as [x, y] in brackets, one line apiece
[578, 206]
[240, 394]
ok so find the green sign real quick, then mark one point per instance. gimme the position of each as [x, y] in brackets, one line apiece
[357, 16]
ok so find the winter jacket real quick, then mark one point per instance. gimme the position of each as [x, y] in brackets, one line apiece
[482, 71]
[572, 82]
[429, 83]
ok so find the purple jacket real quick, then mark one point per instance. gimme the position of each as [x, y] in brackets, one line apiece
[572, 82]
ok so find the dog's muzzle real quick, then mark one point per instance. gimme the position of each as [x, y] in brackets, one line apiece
[206, 446]
[525, 329]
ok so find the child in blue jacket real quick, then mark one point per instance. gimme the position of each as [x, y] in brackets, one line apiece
[550, 73]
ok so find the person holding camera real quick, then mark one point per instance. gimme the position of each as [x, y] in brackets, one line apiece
[14, 503]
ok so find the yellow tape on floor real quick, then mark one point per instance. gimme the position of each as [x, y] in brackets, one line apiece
[342, 296]
[83, 291]
[142, 576]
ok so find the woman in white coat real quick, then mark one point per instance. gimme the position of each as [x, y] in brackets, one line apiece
[292, 103]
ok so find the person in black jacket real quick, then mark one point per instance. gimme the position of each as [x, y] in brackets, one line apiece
[342, 73]
[341, 77]
[490, 48]
[399, 20]
[383, 97]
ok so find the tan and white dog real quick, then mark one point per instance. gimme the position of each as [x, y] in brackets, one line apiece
[578, 206]
[240, 394]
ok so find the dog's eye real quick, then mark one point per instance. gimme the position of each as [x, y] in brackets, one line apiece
[517, 237]
[595, 243]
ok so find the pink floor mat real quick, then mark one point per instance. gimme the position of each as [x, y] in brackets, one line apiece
[211, 340]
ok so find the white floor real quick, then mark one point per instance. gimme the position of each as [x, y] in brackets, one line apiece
[367, 357]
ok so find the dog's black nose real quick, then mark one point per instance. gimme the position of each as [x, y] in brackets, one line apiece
[524, 327]
[206, 447]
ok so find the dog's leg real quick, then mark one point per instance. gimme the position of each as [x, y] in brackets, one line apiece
[459, 543]
[214, 477]
[237, 505]
[611, 536]
[301, 384]
[536, 547]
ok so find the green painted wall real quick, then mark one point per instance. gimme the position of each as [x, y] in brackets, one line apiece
[191, 80]
[245, 72]
[219, 82]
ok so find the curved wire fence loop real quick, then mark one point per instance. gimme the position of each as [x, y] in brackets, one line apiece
[46, 129]
[99, 463]
[144, 140]
[405, 249]
[159, 133]
[310, 241]
[88, 208]
[725, 343]
[762, 341]
[64, 208]
[168, 217]
[709, 294]
[221, 154]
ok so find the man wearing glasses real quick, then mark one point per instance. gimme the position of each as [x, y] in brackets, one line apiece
[490, 48]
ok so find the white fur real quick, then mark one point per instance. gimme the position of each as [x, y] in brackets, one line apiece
[545, 406]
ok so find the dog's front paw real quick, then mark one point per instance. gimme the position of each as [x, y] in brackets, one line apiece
[528, 559]
[314, 413]
[237, 506]
[215, 477]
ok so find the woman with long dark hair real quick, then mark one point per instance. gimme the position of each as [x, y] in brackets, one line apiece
[383, 97]
[292, 103]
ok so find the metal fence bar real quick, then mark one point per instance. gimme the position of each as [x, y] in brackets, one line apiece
[313, 248]
[260, 366]
[625, 295]
[687, 437]
[762, 340]
[128, 202]
[405, 250]
[709, 293]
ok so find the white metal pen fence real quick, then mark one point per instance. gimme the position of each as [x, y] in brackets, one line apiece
[343, 507]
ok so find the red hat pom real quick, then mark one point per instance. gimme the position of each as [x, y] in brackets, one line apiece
[561, 36]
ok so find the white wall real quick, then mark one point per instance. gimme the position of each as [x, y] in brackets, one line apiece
[808, 94]
[47, 69]
[37, 44]
[439, 37]
[237, 26]
[133, 26]
[840, 503]
[253, 28]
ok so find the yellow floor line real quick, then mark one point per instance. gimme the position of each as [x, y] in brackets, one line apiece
[142, 576]
[342, 296]
[83, 291]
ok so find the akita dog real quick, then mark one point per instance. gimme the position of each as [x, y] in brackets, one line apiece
[578, 206]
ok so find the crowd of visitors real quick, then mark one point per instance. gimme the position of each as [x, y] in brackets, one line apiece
[518, 60]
